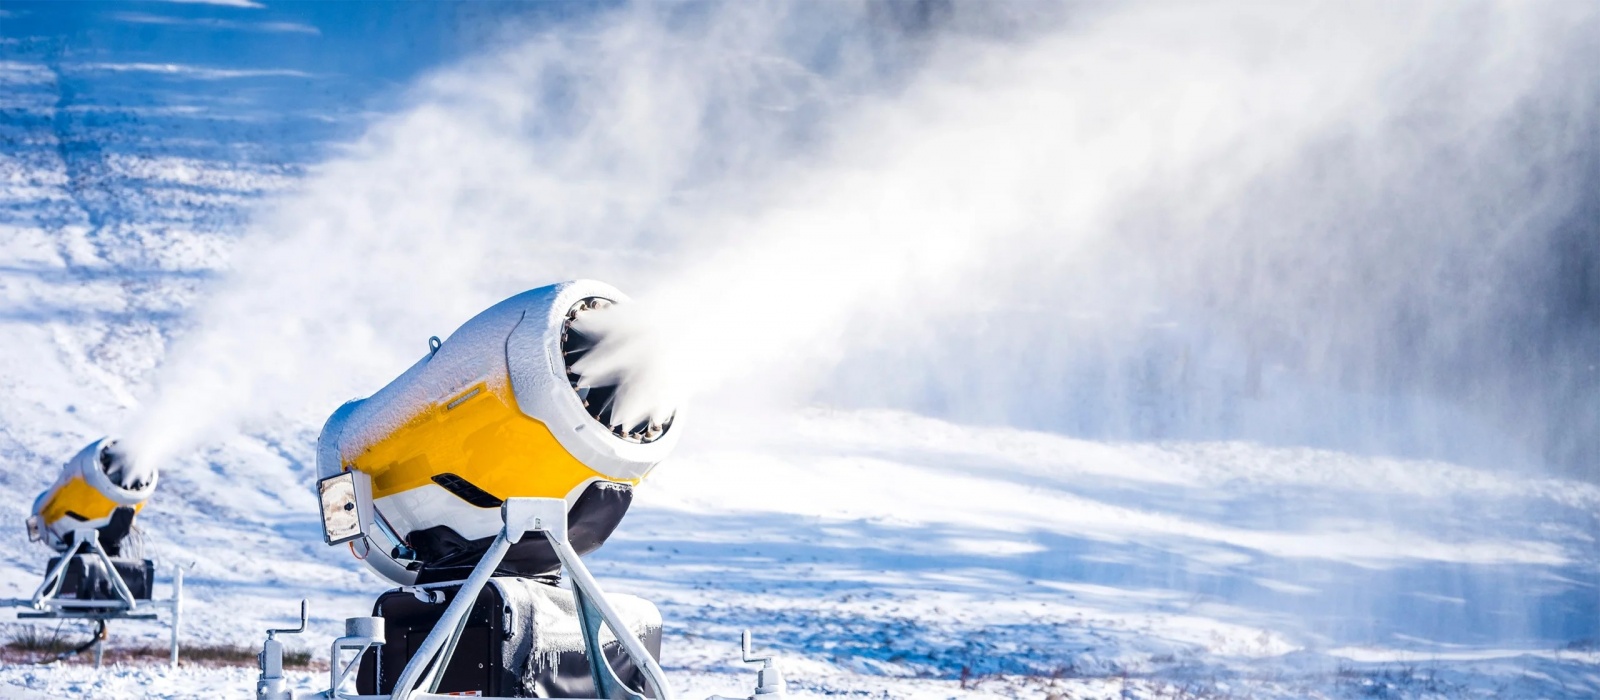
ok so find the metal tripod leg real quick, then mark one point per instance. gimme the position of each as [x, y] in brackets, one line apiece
[54, 577]
[430, 659]
[606, 683]
[593, 611]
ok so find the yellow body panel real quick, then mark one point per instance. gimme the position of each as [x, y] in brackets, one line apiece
[480, 435]
[79, 497]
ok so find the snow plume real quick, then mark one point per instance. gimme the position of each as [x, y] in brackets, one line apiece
[1143, 218]
[565, 153]
[637, 356]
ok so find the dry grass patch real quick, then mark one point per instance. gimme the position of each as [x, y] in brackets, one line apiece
[44, 644]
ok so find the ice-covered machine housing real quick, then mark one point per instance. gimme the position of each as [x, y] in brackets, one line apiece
[496, 411]
[100, 489]
[474, 480]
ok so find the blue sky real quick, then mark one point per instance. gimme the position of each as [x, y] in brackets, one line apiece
[288, 76]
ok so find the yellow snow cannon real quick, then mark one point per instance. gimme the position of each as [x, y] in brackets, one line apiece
[98, 572]
[413, 476]
[100, 489]
[477, 480]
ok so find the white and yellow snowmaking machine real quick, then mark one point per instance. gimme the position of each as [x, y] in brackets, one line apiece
[474, 481]
[99, 573]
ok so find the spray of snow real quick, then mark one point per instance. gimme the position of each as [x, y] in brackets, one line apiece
[125, 471]
[639, 358]
[791, 188]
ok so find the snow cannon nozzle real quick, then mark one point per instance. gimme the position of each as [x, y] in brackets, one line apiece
[609, 366]
[122, 469]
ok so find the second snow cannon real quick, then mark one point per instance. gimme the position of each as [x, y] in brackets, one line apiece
[100, 489]
[98, 572]
[499, 410]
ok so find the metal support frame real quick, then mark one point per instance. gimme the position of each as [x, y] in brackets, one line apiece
[45, 595]
[419, 680]
[593, 612]
[46, 605]
[547, 516]
[360, 634]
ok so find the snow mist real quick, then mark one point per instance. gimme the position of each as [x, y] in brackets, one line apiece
[1311, 224]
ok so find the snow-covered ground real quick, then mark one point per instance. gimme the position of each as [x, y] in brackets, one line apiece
[883, 553]
[880, 553]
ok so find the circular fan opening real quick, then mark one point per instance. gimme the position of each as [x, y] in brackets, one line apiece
[601, 400]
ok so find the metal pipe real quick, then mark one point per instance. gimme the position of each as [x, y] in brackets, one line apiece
[177, 610]
[58, 604]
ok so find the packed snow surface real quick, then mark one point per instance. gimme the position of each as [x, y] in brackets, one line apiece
[882, 552]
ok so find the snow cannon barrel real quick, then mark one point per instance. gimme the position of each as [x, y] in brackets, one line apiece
[100, 489]
[414, 475]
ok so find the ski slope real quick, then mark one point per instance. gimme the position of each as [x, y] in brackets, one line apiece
[884, 553]
[880, 553]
